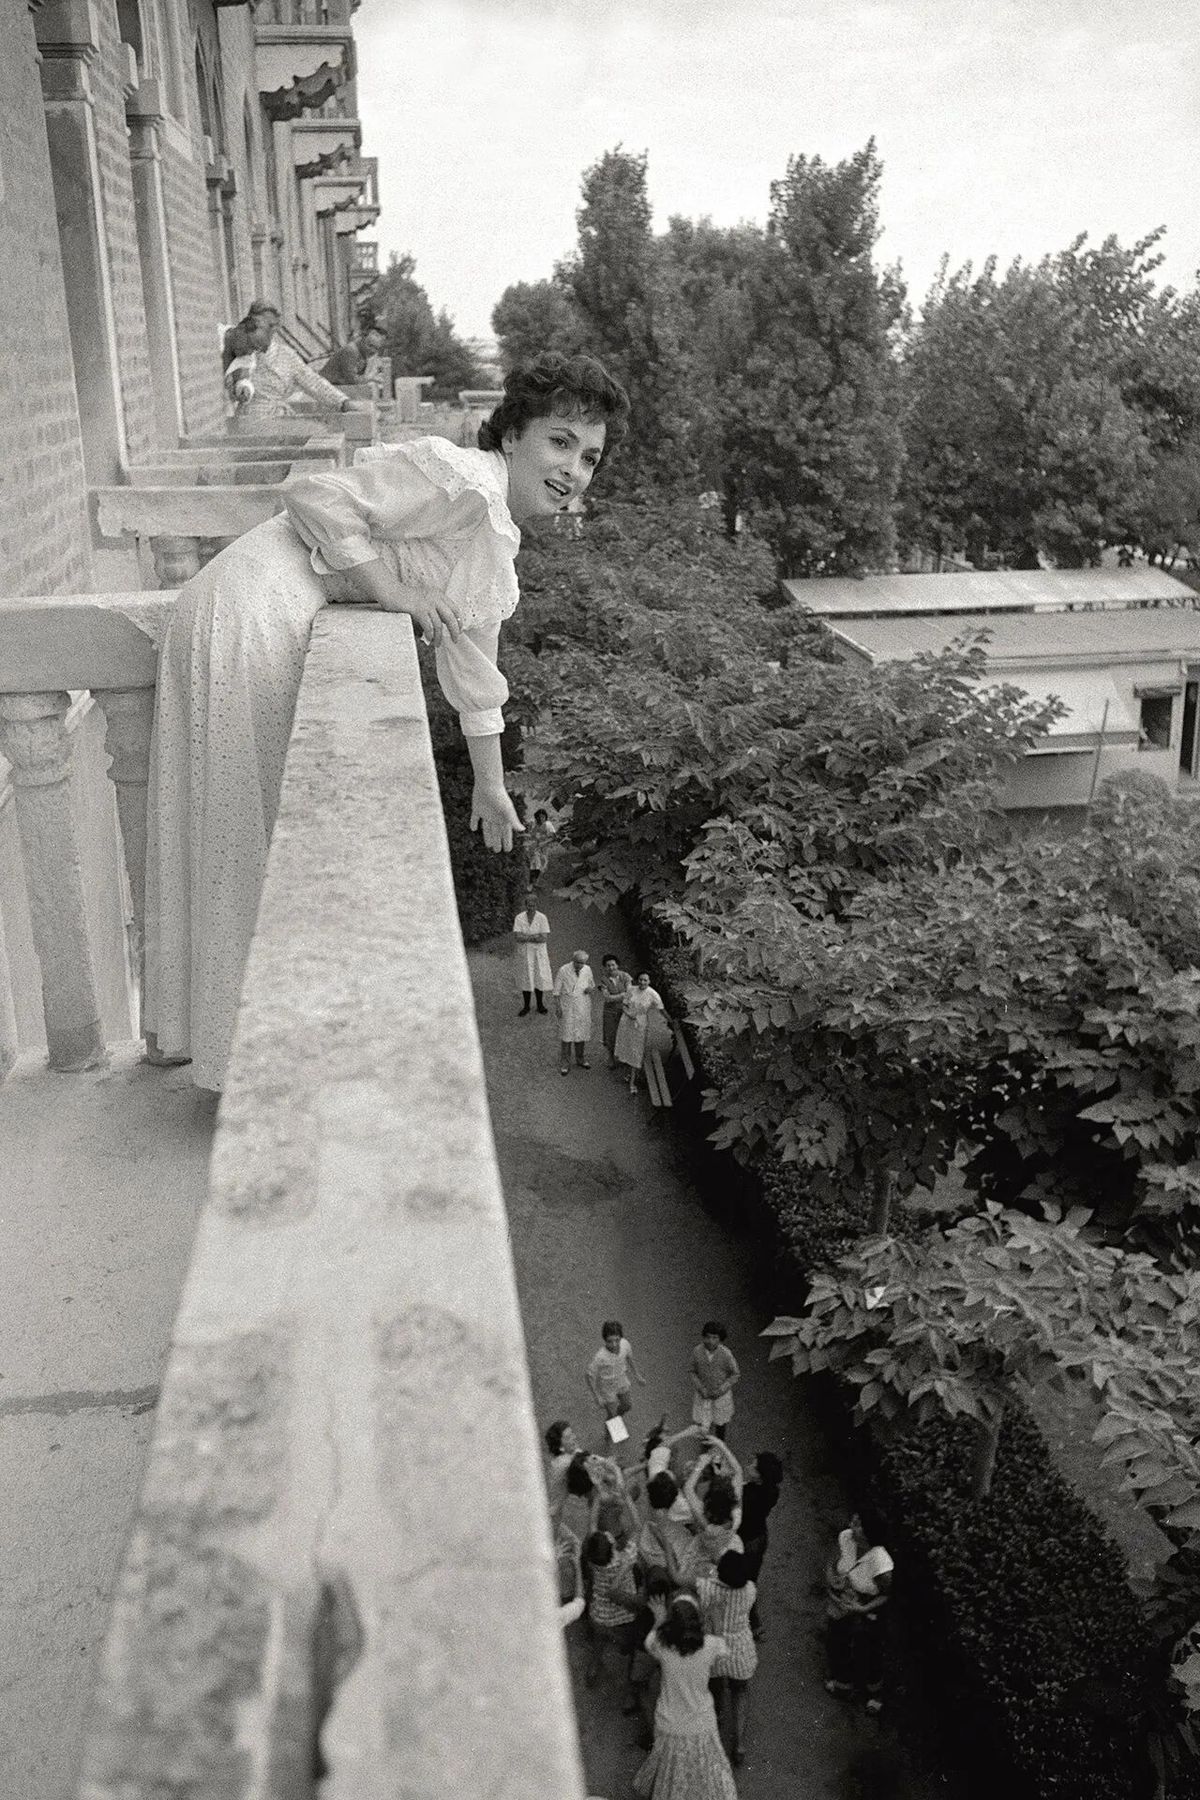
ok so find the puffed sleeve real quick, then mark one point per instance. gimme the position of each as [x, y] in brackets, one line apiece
[470, 680]
[337, 513]
[314, 385]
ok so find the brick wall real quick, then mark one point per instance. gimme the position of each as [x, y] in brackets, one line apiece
[109, 75]
[43, 530]
[194, 278]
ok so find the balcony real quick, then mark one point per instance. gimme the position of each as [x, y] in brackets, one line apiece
[322, 144]
[305, 52]
[364, 265]
[342, 1492]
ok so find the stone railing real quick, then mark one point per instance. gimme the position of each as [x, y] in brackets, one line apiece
[339, 1579]
[50, 647]
[179, 529]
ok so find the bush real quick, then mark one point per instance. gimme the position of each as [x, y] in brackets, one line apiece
[488, 888]
[1032, 1623]
[1020, 1602]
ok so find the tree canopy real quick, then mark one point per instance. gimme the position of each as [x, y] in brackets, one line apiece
[419, 341]
[1053, 409]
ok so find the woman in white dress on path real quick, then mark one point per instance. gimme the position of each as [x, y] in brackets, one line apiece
[636, 1008]
[424, 528]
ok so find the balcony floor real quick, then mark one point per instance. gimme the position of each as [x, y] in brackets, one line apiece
[103, 1177]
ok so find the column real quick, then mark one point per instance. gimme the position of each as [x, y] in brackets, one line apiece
[129, 716]
[68, 37]
[144, 113]
[34, 738]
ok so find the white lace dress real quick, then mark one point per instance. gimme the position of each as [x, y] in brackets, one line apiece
[229, 674]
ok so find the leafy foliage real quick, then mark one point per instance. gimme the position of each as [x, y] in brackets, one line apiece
[419, 341]
[532, 317]
[812, 423]
[614, 283]
[1053, 409]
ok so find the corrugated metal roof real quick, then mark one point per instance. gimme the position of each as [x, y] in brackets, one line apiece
[1004, 590]
[1022, 638]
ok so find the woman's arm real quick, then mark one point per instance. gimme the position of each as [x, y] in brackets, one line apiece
[724, 1455]
[690, 1494]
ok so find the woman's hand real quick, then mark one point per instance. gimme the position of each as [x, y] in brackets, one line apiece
[658, 1608]
[493, 812]
[431, 614]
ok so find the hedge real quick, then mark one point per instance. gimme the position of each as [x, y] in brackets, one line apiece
[488, 888]
[1020, 1601]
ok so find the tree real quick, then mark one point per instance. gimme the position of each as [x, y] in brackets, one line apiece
[967, 1321]
[615, 283]
[534, 316]
[813, 417]
[1053, 409]
[420, 343]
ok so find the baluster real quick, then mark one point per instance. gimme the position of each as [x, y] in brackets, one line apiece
[129, 716]
[35, 739]
[176, 560]
[8, 1012]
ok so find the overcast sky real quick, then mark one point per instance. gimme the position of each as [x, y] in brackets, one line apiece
[1004, 125]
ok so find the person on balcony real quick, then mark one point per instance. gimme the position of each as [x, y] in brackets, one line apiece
[423, 528]
[270, 372]
[350, 363]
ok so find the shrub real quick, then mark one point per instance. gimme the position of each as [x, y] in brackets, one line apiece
[1032, 1624]
[487, 887]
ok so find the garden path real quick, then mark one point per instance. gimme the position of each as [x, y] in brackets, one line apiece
[604, 1222]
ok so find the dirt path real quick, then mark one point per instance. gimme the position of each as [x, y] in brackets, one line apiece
[603, 1224]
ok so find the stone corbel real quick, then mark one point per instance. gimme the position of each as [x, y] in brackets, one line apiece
[68, 39]
[68, 28]
[144, 115]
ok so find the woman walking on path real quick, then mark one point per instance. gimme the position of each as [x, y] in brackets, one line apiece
[614, 984]
[531, 929]
[424, 528]
[726, 1599]
[688, 1761]
[629, 1046]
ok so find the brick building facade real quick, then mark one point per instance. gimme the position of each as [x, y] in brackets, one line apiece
[162, 164]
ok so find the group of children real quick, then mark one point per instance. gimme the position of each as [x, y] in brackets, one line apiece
[662, 1559]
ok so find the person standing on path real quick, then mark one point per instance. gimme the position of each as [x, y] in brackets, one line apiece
[611, 1369]
[539, 841]
[726, 1598]
[531, 929]
[615, 983]
[760, 1495]
[715, 1373]
[629, 1046]
[688, 1761]
[574, 986]
[858, 1582]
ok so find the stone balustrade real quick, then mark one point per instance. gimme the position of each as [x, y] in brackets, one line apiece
[179, 529]
[340, 1577]
[360, 427]
[214, 473]
[231, 451]
[51, 646]
[343, 1491]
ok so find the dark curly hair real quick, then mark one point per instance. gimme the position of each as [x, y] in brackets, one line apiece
[572, 387]
[683, 1627]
